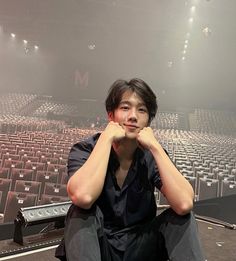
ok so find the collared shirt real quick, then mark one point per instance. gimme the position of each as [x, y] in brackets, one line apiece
[132, 204]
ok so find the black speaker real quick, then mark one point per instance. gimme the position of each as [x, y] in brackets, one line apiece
[223, 208]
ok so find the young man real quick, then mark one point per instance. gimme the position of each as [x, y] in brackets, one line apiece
[112, 177]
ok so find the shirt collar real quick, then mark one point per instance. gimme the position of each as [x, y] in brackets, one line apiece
[138, 159]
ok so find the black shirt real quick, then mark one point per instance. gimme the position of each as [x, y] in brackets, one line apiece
[134, 203]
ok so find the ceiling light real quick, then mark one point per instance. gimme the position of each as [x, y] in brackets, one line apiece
[91, 46]
[206, 31]
[190, 20]
[170, 64]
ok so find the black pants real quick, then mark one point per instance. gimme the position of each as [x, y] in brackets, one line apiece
[167, 237]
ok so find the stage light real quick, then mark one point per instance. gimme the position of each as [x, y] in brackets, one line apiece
[190, 20]
[193, 8]
[206, 31]
[26, 49]
[170, 64]
[91, 46]
[30, 216]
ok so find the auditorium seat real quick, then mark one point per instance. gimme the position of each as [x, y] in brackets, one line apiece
[57, 168]
[55, 189]
[27, 158]
[64, 178]
[4, 173]
[9, 163]
[44, 177]
[23, 154]
[228, 187]
[5, 185]
[21, 174]
[32, 187]
[208, 188]
[162, 200]
[15, 201]
[48, 199]
[193, 181]
[10, 156]
[36, 166]
[63, 161]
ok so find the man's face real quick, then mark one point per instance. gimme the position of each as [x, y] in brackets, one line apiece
[131, 114]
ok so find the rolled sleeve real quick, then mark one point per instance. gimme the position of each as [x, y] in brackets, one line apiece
[79, 154]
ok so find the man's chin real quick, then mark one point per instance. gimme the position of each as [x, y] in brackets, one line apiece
[131, 135]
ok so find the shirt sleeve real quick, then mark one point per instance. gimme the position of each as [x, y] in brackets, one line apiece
[156, 176]
[78, 155]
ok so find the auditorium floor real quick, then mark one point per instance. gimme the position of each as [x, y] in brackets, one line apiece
[219, 244]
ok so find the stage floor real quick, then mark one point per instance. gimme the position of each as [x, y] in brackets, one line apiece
[219, 244]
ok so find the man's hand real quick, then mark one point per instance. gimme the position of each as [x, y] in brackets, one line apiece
[146, 138]
[114, 131]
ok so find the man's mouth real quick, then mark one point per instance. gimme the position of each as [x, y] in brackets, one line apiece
[130, 126]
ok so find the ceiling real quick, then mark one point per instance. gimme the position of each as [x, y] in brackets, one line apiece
[134, 38]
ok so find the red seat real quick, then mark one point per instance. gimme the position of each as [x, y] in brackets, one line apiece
[5, 185]
[15, 201]
[34, 165]
[24, 186]
[44, 177]
[4, 173]
[21, 174]
[55, 189]
[9, 163]
[47, 199]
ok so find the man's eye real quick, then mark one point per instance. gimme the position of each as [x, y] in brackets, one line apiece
[124, 107]
[142, 110]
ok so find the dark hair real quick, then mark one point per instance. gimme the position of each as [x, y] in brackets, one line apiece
[119, 87]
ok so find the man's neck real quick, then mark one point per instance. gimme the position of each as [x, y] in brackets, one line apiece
[125, 149]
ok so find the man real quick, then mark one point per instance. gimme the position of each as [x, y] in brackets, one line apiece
[112, 177]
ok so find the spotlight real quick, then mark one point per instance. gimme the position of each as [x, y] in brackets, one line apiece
[91, 46]
[30, 216]
[26, 50]
[206, 31]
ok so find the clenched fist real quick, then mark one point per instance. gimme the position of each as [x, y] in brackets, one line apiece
[146, 138]
[114, 131]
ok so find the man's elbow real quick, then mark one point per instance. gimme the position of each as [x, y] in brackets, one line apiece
[184, 208]
[82, 201]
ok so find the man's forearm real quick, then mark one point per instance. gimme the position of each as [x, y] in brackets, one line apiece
[175, 187]
[85, 186]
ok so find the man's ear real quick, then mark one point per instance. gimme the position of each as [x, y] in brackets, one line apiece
[110, 115]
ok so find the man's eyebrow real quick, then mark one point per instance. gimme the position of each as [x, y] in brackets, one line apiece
[128, 102]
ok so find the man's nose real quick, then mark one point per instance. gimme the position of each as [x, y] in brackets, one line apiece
[133, 114]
